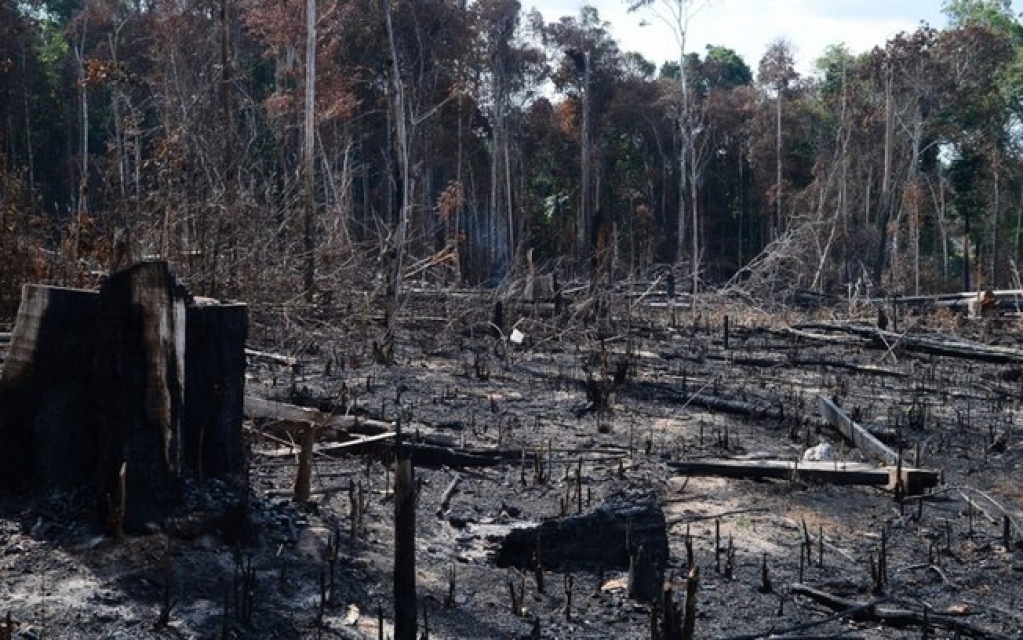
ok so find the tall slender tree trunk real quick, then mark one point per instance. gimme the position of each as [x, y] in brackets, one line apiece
[778, 168]
[1019, 232]
[405, 613]
[996, 215]
[683, 151]
[309, 152]
[494, 248]
[884, 204]
[229, 224]
[510, 249]
[402, 147]
[82, 204]
[695, 231]
[583, 219]
[29, 145]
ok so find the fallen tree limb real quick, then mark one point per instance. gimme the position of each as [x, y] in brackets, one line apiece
[281, 417]
[822, 337]
[706, 401]
[445, 498]
[287, 361]
[713, 516]
[261, 409]
[944, 299]
[896, 617]
[780, 634]
[428, 455]
[784, 361]
[935, 345]
[326, 449]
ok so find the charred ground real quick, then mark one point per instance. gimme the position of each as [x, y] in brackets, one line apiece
[259, 565]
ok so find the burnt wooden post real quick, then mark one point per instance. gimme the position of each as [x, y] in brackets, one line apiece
[671, 294]
[692, 587]
[405, 612]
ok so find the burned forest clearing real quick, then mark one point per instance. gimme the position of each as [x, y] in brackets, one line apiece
[575, 476]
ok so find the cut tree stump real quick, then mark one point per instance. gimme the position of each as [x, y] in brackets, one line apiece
[609, 537]
[135, 374]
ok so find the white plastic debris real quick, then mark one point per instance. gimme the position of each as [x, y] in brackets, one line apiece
[821, 453]
[517, 336]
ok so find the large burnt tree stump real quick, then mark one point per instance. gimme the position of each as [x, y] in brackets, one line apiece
[136, 374]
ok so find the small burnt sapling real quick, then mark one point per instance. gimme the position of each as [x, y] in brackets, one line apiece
[606, 374]
[7, 627]
[765, 578]
[692, 587]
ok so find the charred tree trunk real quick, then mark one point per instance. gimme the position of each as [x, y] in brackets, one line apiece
[405, 608]
[139, 371]
[629, 534]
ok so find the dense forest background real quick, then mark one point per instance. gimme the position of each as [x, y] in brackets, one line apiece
[286, 150]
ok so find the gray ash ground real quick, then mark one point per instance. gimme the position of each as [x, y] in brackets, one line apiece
[251, 564]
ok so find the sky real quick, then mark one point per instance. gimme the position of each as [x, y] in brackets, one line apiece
[750, 26]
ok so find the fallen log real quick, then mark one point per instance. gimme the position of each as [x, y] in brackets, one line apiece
[894, 616]
[274, 358]
[627, 532]
[445, 498]
[257, 408]
[946, 299]
[940, 346]
[704, 400]
[285, 418]
[428, 455]
[325, 449]
[841, 473]
[730, 405]
[854, 433]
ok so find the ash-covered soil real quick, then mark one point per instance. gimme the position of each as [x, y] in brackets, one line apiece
[254, 564]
